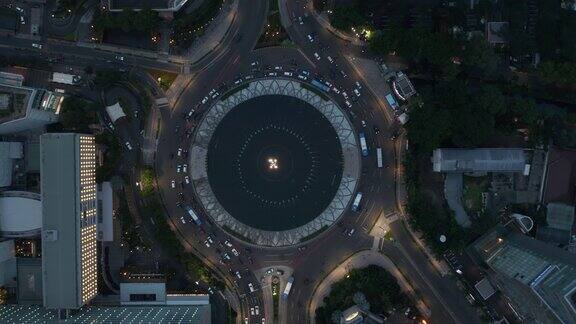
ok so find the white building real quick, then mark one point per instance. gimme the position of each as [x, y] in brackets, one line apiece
[69, 216]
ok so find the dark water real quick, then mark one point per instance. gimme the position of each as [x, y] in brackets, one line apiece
[274, 162]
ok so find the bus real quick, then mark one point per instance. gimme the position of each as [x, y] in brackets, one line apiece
[356, 203]
[363, 144]
[320, 85]
[379, 156]
[193, 215]
[288, 287]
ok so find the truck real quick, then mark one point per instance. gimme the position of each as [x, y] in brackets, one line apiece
[193, 215]
[363, 144]
[356, 203]
[287, 289]
[379, 156]
[319, 85]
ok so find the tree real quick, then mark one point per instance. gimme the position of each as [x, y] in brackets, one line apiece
[75, 115]
[479, 58]
[126, 19]
[346, 17]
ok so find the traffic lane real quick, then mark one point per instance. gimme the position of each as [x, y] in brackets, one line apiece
[449, 296]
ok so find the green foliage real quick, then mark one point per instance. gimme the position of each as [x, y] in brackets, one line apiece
[380, 288]
[345, 17]
[479, 57]
[107, 78]
[145, 20]
[187, 27]
[77, 114]
[112, 156]
[147, 182]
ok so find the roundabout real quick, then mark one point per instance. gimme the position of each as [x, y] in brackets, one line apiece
[274, 162]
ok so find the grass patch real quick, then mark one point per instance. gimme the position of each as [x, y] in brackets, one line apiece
[164, 79]
[310, 236]
[474, 187]
[273, 34]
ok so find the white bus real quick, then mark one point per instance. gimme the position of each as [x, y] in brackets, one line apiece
[287, 289]
[356, 203]
[363, 144]
[379, 156]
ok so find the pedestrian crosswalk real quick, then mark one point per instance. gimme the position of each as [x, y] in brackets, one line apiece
[162, 102]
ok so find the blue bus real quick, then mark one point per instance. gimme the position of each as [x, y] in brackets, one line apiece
[320, 85]
[287, 289]
[363, 144]
[193, 215]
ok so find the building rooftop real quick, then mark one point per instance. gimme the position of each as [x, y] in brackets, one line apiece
[31, 314]
[20, 214]
[478, 160]
[496, 31]
[9, 151]
[560, 182]
[19, 97]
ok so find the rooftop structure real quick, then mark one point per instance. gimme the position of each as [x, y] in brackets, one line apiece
[115, 112]
[69, 261]
[559, 222]
[7, 264]
[29, 274]
[105, 212]
[9, 151]
[20, 214]
[560, 181]
[478, 160]
[495, 32]
[158, 5]
[402, 86]
[548, 272]
[199, 314]
[27, 108]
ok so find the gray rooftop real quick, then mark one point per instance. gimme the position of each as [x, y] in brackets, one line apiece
[560, 216]
[31, 314]
[478, 160]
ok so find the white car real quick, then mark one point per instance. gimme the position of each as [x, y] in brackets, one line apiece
[306, 73]
[272, 74]
[237, 82]
[278, 68]
[205, 100]
[129, 146]
[317, 56]
[248, 77]
[348, 104]
[226, 256]
[119, 58]
[254, 63]
[180, 152]
[178, 168]
[252, 311]
[238, 274]
[336, 90]
[207, 243]
[288, 74]
[227, 243]
[358, 85]
[235, 252]
[22, 21]
[302, 77]
[173, 184]
[330, 59]
[216, 94]
[187, 179]
[343, 74]
[345, 95]
[363, 123]
[251, 287]
[257, 309]
[182, 220]
[357, 93]
[185, 168]
[213, 91]
[300, 20]
[38, 46]
[310, 38]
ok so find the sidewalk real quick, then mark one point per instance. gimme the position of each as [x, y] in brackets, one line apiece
[361, 259]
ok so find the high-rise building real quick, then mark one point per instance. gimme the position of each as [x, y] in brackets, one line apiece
[69, 217]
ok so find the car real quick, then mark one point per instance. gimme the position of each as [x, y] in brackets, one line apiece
[38, 46]
[238, 81]
[344, 75]
[328, 84]
[272, 74]
[119, 58]
[209, 238]
[173, 184]
[248, 77]
[206, 243]
[235, 252]
[191, 112]
[317, 56]
[357, 93]
[358, 85]
[363, 123]
[111, 126]
[179, 151]
[227, 243]
[238, 274]
[330, 59]
[345, 95]
[20, 10]
[376, 129]
[226, 256]
[302, 248]
[182, 220]
[336, 90]
[263, 320]
[22, 21]
[205, 99]
[310, 38]
[257, 309]
[254, 63]
[288, 74]
[128, 145]
[213, 91]
[351, 232]
[278, 68]
[251, 287]
[269, 271]
[252, 311]
[178, 168]
[185, 168]
[187, 179]
[210, 290]
[216, 94]
[348, 104]
[306, 73]
[300, 20]
[302, 77]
